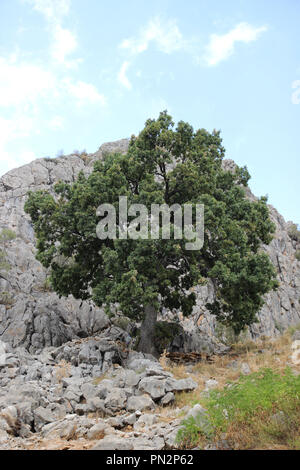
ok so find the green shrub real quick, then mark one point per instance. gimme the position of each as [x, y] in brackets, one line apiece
[121, 322]
[165, 332]
[44, 286]
[7, 235]
[294, 233]
[261, 407]
[297, 255]
[265, 390]
[188, 434]
[6, 298]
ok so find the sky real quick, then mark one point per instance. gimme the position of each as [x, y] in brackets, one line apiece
[77, 73]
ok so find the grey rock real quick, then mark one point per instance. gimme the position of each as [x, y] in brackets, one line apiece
[114, 443]
[99, 430]
[43, 416]
[116, 400]
[157, 371]
[140, 403]
[296, 335]
[116, 422]
[167, 399]
[145, 420]
[245, 368]
[210, 384]
[95, 404]
[73, 382]
[4, 436]
[144, 443]
[154, 386]
[81, 409]
[201, 419]
[182, 385]
[171, 439]
[130, 419]
[68, 432]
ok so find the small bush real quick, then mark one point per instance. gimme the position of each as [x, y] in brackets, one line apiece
[189, 434]
[265, 390]
[45, 286]
[261, 409]
[7, 235]
[6, 298]
[294, 233]
[165, 332]
[121, 322]
[82, 154]
[297, 255]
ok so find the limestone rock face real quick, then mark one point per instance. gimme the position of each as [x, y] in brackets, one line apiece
[30, 314]
[33, 317]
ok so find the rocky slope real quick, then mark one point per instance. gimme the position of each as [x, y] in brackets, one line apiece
[34, 317]
[91, 390]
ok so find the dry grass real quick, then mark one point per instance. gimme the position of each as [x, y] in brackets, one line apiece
[274, 354]
[98, 380]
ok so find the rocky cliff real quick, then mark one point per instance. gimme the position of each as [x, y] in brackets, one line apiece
[34, 317]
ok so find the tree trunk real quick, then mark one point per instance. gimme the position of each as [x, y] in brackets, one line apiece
[146, 344]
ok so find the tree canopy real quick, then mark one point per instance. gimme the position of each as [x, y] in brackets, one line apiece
[170, 165]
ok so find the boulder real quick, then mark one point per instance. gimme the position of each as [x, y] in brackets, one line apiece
[113, 443]
[116, 400]
[140, 403]
[154, 386]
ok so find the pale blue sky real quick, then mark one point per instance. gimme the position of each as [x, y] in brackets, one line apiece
[77, 73]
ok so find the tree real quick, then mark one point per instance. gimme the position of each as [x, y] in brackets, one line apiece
[162, 165]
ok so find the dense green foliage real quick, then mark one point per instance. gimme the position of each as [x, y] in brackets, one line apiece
[265, 390]
[160, 273]
[294, 233]
[265, 400]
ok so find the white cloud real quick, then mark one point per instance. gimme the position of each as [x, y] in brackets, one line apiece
[24, 86]
[56, 123]
[296, 94]
[23, 83]
[122, 77]
[52, 10]
[64, 44]
[28, 94]
[165, 35]
[167, 38]
[63, 41]
[10, 129]
[221, 47]
[84, 93]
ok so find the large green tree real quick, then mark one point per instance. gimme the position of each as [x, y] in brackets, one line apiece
[163, 165]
